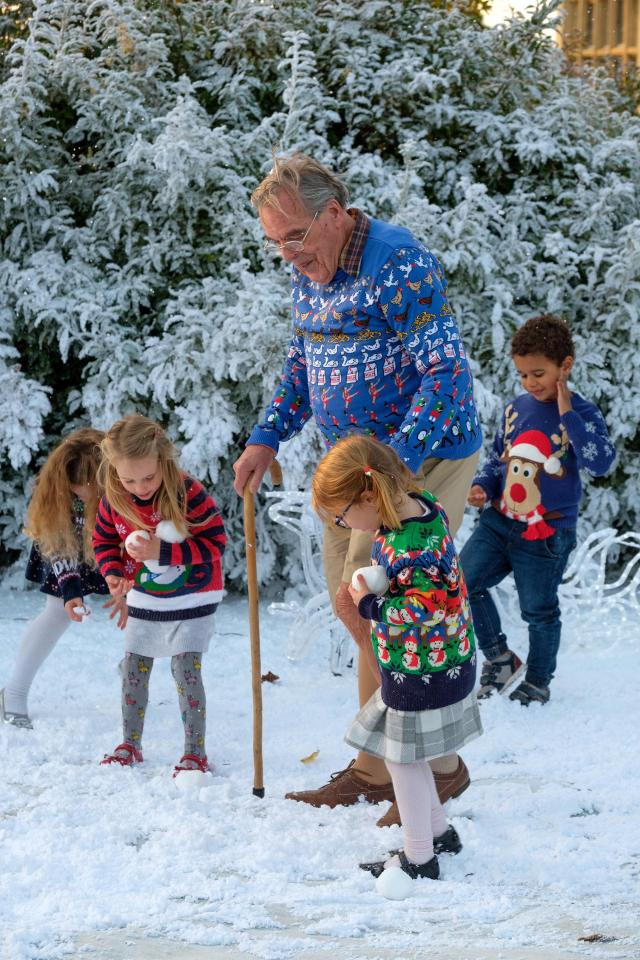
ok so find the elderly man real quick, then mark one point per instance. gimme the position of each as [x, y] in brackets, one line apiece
[375, 349]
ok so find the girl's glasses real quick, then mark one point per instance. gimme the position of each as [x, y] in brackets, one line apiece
[289, 246]
[339, 520]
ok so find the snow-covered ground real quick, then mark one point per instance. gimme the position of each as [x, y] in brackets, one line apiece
[118, 865]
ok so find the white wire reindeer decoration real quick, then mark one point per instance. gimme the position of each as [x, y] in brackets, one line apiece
[593, 581]
[313, 621]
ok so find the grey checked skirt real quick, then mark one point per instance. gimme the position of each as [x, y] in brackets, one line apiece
[406, 736]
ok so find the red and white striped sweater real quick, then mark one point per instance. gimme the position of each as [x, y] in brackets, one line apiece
[191, 585]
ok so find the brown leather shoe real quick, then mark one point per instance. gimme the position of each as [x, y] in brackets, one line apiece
[391, 818]
[448, 785]
[345, 788]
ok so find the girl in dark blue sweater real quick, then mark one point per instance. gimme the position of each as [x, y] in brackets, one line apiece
[422, 636]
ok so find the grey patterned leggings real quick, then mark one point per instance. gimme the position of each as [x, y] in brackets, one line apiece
[186, 670]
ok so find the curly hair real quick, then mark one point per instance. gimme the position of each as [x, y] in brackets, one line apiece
[545, 334]
[74, 462]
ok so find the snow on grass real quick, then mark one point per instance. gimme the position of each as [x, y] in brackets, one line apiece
[549, 826]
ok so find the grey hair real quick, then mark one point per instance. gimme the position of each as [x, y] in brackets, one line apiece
[303, 177]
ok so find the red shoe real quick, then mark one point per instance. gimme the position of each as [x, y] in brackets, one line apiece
[133, 755]
[199, 763]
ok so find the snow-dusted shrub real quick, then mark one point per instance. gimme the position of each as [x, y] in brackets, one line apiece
[132, 275]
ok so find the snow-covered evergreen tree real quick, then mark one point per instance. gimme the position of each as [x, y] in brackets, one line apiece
[132, 274]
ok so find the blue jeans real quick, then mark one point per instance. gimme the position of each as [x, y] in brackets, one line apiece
[494, 550]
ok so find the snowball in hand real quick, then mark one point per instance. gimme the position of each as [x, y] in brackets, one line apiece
[165, 530]
[375, 578]
[394, 884]
[133, 538]
[82, 611]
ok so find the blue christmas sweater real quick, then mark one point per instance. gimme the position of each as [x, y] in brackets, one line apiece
[422, 629]
[377, 351]
[533, 473]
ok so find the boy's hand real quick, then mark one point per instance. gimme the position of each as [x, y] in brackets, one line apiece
[68, 609]
[142, 550]
[564, 396]
[118, 586]
[362, 591]
[118, 606]
[477, 496]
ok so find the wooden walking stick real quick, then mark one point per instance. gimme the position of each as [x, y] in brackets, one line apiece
[254, 623]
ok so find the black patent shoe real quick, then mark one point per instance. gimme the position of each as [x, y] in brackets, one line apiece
[447, 842]
[430, 869]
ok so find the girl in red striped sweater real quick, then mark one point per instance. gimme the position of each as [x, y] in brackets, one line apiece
[170, 572]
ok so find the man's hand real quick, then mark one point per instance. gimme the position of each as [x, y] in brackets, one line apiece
[142, 550]
[359, 628]
[477, 496]
[118, 607]
[118, 586]
[255, 460]
[68, 609]
[564, 396]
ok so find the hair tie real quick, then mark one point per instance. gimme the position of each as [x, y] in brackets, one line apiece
[367, 471]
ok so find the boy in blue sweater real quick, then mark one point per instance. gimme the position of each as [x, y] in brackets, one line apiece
[531, 487]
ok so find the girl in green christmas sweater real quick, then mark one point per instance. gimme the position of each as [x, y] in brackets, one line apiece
[422, 636]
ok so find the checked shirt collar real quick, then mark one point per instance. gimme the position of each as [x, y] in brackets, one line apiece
[351, 256]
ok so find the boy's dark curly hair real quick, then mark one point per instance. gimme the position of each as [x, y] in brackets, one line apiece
[547, 335]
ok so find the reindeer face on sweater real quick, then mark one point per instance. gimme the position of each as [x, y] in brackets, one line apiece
[522, 485]
[527, 458]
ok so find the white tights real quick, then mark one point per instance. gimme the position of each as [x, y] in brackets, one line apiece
[421, 812]
[37, 642]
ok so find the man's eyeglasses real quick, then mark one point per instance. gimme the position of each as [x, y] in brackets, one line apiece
[339, 520]
[289, 246]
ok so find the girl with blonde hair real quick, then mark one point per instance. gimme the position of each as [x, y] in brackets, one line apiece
[170, 573]
[60, 520]
[422, 636]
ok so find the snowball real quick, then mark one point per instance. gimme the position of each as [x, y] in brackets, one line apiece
[190, 781]
[134, 537]
[152, 565]
[82, 611]
[375, 577]
[394, 884]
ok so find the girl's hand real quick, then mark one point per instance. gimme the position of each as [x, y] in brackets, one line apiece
[142, 550]
[118, 607]
[477, 496]
[68, 609]
[118, 586]
[362, 591]
[564, 396]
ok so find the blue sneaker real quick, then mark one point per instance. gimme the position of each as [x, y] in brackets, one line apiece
[527, 693]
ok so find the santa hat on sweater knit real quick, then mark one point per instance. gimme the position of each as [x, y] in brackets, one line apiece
[535, 446]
